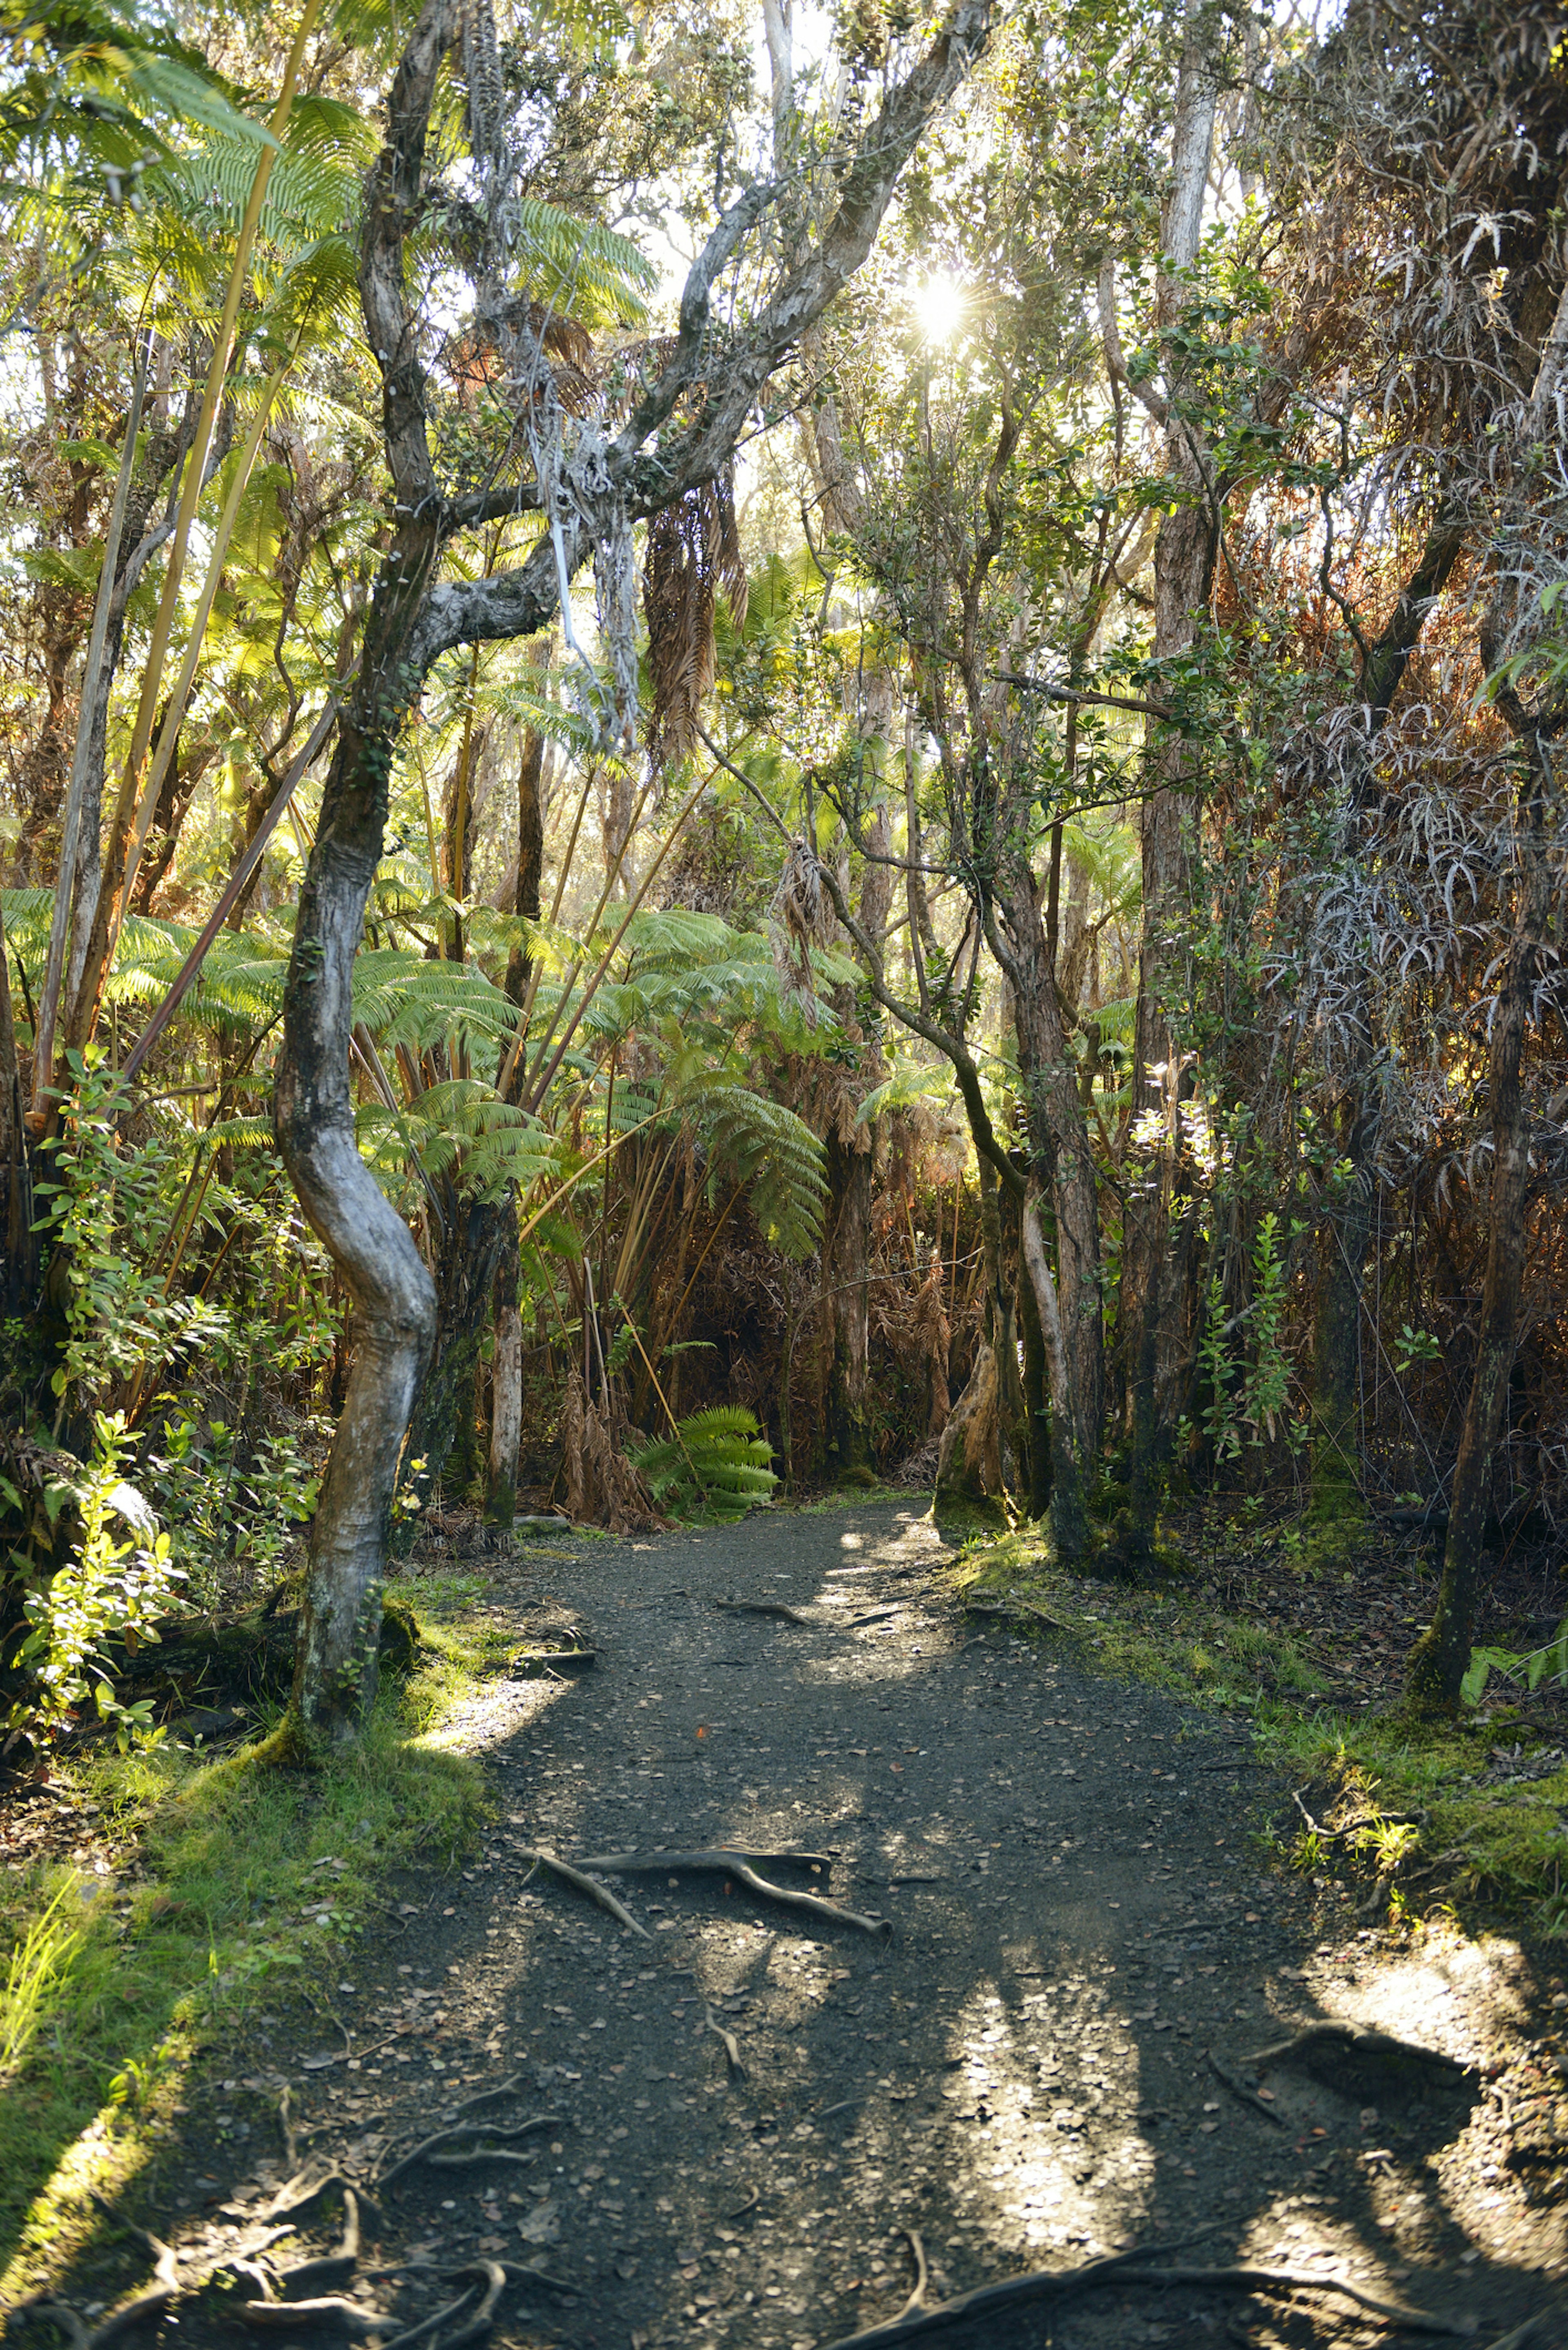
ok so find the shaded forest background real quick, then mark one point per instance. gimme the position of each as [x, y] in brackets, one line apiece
[1009, 938]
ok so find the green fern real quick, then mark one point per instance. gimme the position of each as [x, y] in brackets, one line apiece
[717, 1462]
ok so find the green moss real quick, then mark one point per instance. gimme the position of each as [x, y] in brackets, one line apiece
[233, 1904]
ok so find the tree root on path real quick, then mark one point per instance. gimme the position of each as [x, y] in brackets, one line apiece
[332, 2268]
[563, 1869]
[166, 2284]
[731, 1864]
[332, 2310]
[764, 1608]
[1242, 2093]
[731, 2046]
[710, 1857]
[1357, 2040]
[915, 2320]
[1013, 1607]
[455, 2134]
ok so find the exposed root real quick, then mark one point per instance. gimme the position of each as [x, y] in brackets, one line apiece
[1242, 2095]
[286, 2122]
[730, 1864]
[486, 2097]
[1357, 2039]
[764, 1608]
[484, 2317]
[731, 2046]
[167, 2283]
[519, 2272]
[542, 1859]
[332, 2268]
[304, 2188]
[710, 1856]
[490, 2277]
[915, 2320]
[1018, 1607]
[455, 2134]
[332, 2310]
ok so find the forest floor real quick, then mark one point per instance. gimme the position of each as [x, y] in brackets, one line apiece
[1052, 2057]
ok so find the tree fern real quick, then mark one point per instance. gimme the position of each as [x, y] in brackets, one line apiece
[775, 1153]
[717, 1462]
[460, 1130]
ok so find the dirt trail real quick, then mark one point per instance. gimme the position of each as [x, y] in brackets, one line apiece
[1019, 2073]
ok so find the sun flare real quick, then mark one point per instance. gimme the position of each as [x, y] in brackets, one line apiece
[938, 306]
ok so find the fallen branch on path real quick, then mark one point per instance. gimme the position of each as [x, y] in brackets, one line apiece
[763, 1608]
[721, 1863]
[915, 2320]
[563, 1869]
[1244, 2096]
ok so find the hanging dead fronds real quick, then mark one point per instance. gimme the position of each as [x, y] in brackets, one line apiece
[693, 552]
[800, 917]
[603, 1488]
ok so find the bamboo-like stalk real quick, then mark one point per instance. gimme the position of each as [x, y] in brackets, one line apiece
[515, 1052]
[65, 886]
[174, 711]
[84, 1013]
[182, 983]
[542, 1086]
[611, 878]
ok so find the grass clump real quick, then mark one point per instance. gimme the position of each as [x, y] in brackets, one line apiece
[232, 1880]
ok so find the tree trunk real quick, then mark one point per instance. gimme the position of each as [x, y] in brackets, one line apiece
[19, 1240]
[442, 1428]
[1073, 1329]
[505, 1387]
[393, 1298]
[1151, 1335]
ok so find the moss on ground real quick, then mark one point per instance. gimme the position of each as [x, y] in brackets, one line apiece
[1472, 1844]
[232, 1878]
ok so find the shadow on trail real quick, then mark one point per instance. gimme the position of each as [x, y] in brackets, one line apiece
[1021, 2074]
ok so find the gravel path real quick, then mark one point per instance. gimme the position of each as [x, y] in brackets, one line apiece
[1020, 2072]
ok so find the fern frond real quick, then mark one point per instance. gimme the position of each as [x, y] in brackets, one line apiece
[716, 1461]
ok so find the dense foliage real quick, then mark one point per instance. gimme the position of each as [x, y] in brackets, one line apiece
[1009, 940]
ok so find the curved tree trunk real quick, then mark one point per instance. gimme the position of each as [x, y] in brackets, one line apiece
[394, 1304]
